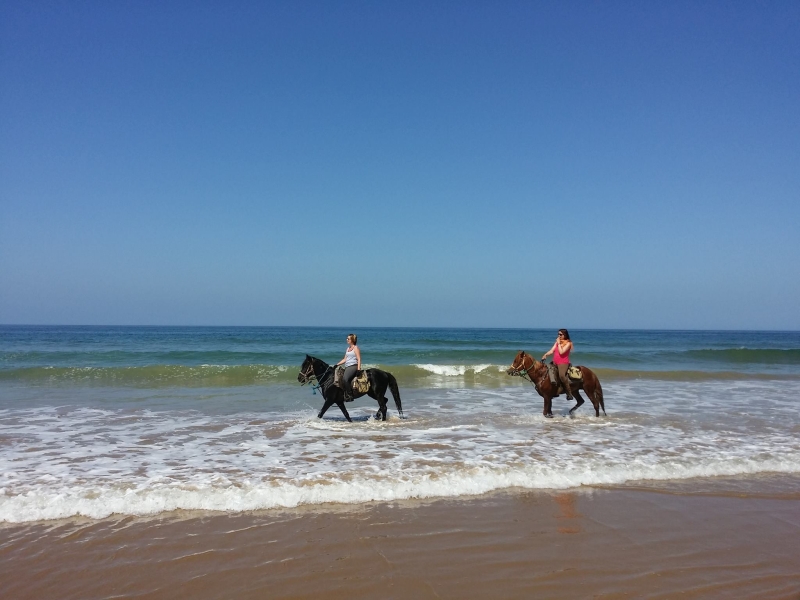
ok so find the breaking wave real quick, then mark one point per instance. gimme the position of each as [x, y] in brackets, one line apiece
[414, 375]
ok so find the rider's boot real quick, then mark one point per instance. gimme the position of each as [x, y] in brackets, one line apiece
[567, 388]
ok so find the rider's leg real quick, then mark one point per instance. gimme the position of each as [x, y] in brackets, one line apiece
[562, 375]
[347, 381]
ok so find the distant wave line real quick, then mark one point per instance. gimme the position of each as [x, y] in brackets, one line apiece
[417, 375]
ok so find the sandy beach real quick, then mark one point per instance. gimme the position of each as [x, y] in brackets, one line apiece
[600, 543]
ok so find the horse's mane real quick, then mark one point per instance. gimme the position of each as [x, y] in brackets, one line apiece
[321, 365]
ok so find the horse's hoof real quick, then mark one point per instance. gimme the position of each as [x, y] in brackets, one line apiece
[548, 416]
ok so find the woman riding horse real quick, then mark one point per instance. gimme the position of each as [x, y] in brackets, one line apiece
[352, 364]
[560, 352]
[314, 369]
[534, 371]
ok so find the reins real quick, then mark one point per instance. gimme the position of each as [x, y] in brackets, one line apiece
[526, 373]
[307, 378]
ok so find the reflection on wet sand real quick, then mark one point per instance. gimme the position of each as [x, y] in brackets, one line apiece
[511, 545]
[568, 512]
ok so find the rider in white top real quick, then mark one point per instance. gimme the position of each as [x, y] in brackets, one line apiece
[352, 363]
[350, 358]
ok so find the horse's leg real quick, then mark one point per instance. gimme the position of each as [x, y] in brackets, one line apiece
[576, 392]
[548, 407]
[340, 404]
[337, 398]
[547, 392]
[381, 398]
[591, 390]
[591, 384]
[383, 406]
[325, 407]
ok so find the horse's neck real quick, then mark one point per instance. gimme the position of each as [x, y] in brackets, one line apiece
[320, 367]
[536, 367]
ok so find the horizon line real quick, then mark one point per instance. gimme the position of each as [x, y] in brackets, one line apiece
[676, 329]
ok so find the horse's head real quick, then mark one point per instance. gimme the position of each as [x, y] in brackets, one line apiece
[306, 370]
[522, 364]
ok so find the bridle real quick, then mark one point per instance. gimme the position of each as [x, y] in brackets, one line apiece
[309, 376]
[523, 372]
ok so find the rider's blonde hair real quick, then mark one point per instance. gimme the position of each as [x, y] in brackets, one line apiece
[354, 337]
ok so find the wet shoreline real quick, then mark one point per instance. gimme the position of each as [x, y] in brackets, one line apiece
[574, 543]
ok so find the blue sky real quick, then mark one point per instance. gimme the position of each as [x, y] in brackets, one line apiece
[554, 164]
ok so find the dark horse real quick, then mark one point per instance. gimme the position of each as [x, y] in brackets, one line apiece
[535, 371]
[314, 368]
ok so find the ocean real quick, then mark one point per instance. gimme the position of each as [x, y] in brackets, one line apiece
[100, 421]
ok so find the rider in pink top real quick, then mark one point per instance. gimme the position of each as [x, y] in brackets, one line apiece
[560, 352]
[561, 359]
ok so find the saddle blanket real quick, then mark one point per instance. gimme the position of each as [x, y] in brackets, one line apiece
[338, 371]
[361, 383]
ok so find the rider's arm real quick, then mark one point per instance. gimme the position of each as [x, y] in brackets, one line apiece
[358, 356]
[341, 361]
[549, 352]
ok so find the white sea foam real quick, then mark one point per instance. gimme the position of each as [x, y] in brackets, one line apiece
[458, 370]
[60, 462]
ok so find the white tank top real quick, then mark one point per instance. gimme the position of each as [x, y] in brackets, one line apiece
[350, 358]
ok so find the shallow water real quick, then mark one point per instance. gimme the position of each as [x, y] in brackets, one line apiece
[97, 446]
[148, 456]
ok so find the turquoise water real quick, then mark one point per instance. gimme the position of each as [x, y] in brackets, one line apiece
[229, 356]
[136, 420]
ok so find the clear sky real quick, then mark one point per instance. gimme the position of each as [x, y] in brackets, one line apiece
[478, 164]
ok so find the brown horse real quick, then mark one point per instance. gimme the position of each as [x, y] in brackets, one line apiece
[535, 371]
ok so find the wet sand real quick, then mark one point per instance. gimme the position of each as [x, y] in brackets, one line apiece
[618, 543]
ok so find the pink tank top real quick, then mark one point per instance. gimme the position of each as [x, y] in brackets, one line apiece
[561, 359]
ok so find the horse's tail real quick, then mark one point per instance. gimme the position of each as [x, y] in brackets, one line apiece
[598, 394]
[591, 382]
[395, 393]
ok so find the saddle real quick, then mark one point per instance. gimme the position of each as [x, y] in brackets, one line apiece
[574, 374]
[360, 382]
